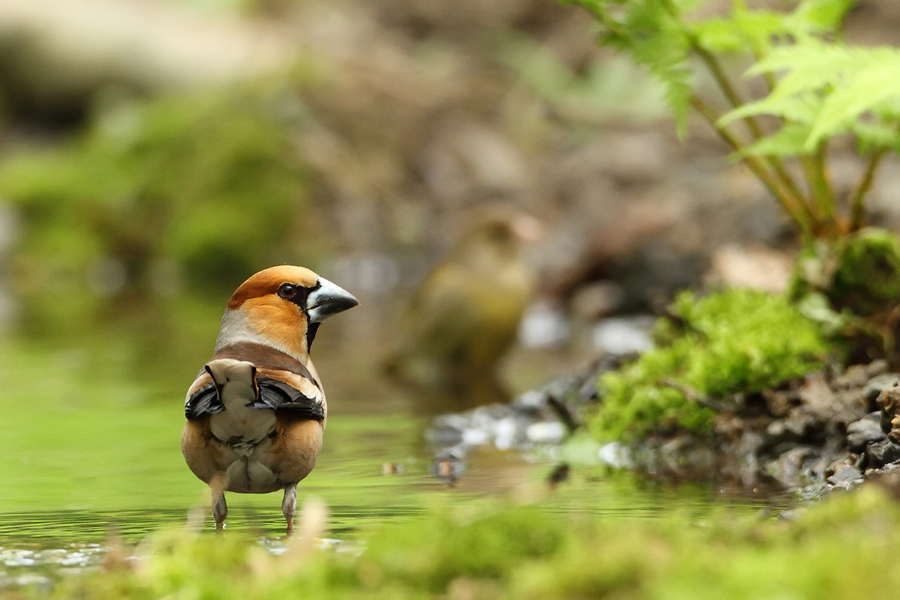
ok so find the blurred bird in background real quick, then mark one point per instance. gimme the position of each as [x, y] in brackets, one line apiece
[256, 412]
[466, 313]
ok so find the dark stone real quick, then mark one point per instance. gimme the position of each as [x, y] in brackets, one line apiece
[889, 402]
[882, 453]
[878, 384]
[793, 428]
[448, 466]
[865, 431]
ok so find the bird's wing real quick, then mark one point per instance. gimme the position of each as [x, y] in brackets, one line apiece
[278, 390]
[290, 393]
[202, 397]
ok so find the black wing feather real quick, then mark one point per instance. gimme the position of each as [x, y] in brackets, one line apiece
[205, 401]
[279, 396]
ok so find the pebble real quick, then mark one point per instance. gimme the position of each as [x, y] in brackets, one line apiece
[547, 432]
[616, 455]
[623, 335]
[865, 431]
[882, 453]
[845, 477]
[878, 384]
[448, 466]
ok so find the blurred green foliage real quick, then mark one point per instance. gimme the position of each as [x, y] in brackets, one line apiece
[860, 273]
[815, 86]
[840, 549]
[203, 185]
[731, 342]
[851, 287]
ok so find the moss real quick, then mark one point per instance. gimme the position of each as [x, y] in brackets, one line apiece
[859, 273]
[209, 181]
[841, 548]
[737, 341]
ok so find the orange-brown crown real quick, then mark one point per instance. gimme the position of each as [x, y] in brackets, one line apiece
[267, 281]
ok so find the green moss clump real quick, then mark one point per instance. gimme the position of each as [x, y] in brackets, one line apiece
[736, 341]
[843, 548]
[859, 273]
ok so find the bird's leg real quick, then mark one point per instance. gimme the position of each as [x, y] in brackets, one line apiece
[217, 487]
[289, 505]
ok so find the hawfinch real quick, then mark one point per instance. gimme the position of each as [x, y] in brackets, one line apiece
[466, 313]
[256, 412]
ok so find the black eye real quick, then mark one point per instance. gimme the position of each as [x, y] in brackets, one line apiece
[287, 290]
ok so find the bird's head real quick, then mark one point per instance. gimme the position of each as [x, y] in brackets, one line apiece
[499, 234]
[282, 307]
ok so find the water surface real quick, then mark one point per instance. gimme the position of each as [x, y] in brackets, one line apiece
[92, 420]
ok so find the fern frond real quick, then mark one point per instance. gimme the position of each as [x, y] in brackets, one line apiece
[655, 38]
[802, 108]
[871, 88]
[871, 137]
[788, 141]
[744, 31]
[808, 65]
[822, 15]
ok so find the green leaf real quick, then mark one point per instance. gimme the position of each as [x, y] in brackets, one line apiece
[872, 136]
[651, 32]
[824, 15]
[744, 31]
[790, 140]
[866, 91]
[800, 109]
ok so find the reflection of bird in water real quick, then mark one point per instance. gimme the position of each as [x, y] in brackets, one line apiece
[466, 313]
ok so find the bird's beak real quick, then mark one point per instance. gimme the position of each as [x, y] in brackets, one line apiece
[328, 299]
[527, 228]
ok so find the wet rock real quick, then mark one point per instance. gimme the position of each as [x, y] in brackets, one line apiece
[546, 432]
[818, 396]
[846, 476]
[560, 474]
[615, 455]
[854, 376]
[787, 469]
[624, 335]
[793, 428]
[865, 431]
[448, 466]
[447, 431]
[889, 399]
[882, 453]
[878, 384]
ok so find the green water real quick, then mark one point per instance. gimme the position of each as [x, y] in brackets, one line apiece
[90, 422]
[92, 430]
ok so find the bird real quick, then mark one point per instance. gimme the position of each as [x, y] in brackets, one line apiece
[256, 413]
[465, 314]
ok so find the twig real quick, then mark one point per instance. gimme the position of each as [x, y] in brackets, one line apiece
[692, 395]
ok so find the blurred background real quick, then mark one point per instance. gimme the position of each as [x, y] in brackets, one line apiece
[155, 153]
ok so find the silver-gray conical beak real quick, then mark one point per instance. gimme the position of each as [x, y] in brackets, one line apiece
[328, 299]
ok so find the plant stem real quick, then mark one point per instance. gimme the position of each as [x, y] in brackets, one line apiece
[814, 168]
[822, 191]
[799, 214]
[736, 101]
[858, 196]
